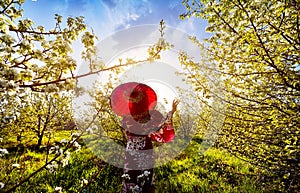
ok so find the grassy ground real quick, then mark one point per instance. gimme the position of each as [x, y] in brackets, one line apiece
[215, 171]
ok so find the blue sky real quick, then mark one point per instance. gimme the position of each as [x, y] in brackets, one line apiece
[107, 16]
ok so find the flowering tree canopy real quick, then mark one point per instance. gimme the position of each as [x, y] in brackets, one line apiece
[254, 48]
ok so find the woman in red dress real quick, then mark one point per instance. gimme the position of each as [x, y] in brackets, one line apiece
[142, 125]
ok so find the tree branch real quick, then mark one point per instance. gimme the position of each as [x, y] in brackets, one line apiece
[69, 145]
[2, 12]
[272, 63]
[82, 75]
[36, 32]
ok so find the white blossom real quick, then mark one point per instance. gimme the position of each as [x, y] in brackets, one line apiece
[64, 140]
[74, 135]
[65, 160]
[3, 83]
[84, 182]
[58, 189]
[16, 165]
[57, 150]
[76, 145]
[2, 185]
[3, 152]
[90, 131]
[51, 167]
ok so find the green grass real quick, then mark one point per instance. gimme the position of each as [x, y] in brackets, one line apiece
[215, 171]
[30, 138]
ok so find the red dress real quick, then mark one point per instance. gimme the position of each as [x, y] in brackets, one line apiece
[139, 160]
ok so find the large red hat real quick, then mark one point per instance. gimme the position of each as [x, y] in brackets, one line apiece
[133, 98]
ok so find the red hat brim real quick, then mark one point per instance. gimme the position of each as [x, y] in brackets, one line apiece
[132, 98]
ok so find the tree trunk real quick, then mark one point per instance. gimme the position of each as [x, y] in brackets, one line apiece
[40, 139]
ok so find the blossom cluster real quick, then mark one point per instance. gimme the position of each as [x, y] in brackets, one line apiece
[3, 152]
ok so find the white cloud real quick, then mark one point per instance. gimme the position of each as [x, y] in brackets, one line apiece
[133, 16]
[119, 16]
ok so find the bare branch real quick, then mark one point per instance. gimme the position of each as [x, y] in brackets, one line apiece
[36, 32]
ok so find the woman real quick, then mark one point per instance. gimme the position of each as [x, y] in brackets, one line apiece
[142, 125]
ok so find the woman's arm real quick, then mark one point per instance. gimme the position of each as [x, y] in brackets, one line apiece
[174, 106]
[170, 114]
[166, 132]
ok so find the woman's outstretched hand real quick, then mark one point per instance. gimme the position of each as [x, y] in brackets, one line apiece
[174, 105]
